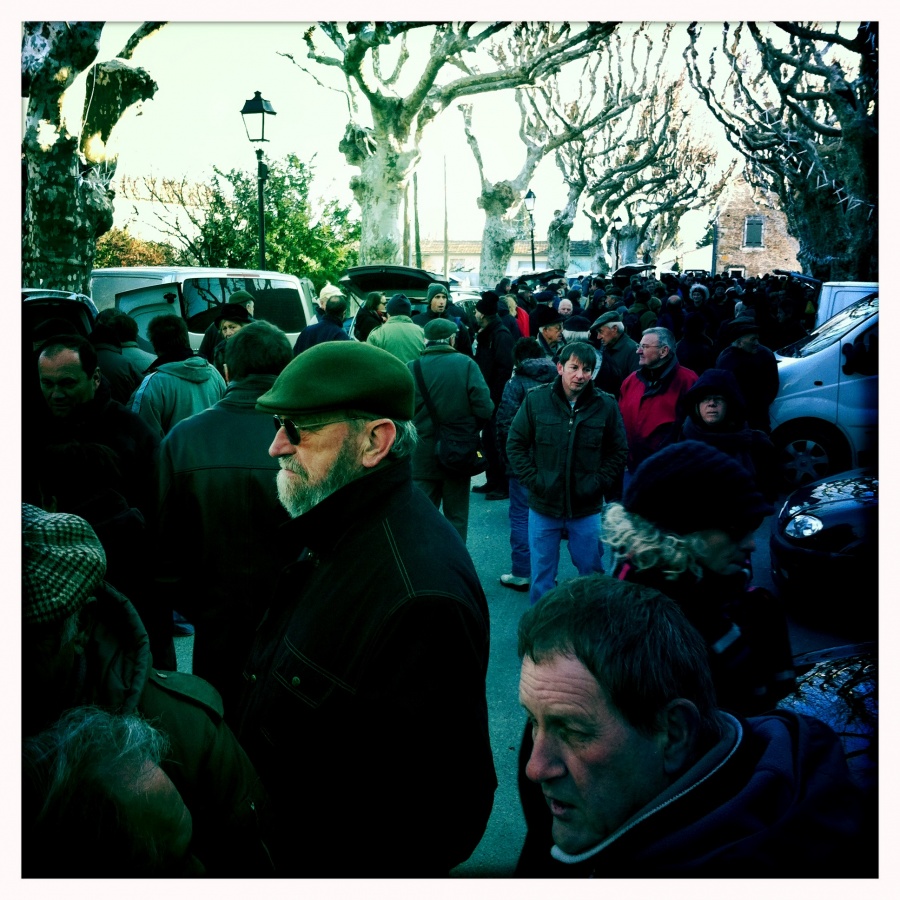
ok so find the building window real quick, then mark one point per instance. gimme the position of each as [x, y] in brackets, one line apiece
[753, 231]
[736, 272]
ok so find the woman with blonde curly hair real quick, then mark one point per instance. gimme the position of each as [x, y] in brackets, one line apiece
[685, 527]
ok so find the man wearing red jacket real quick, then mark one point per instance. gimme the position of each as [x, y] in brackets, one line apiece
[650, 401]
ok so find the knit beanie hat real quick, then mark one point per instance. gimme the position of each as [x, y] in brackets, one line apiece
[398, 305]
[63, 563]
[434, 290]
[690, 486]
[544, 296]
[488, 303]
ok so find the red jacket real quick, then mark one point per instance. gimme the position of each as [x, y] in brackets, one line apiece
[651, 409]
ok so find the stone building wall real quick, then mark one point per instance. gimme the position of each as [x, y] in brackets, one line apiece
[778, 250]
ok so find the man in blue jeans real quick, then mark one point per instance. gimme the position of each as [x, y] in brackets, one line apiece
[567, 447]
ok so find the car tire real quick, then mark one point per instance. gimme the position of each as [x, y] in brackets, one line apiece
[810, 452]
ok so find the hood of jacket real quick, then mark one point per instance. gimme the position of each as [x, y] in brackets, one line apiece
[194, 369]
[542, 370]
[723, 383]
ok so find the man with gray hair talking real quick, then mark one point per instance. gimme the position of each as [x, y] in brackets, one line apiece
[364, 706]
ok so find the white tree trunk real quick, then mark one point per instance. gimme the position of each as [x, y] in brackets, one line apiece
[599, 259]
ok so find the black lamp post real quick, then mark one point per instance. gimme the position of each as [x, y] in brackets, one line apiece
[616, 221]
[529, 205]
[254, 113]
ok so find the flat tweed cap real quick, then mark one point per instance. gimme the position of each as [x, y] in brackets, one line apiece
[63, 563]
[440, 329]
[342, 375]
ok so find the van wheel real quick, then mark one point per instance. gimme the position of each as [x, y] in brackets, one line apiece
[810, 453]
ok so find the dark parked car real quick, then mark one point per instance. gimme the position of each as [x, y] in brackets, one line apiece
[824, 549]
[39, 304]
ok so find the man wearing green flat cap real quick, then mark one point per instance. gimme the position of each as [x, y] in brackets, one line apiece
[364, 707]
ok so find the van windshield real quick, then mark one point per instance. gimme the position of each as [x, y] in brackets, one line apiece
[275, 300]
[834, 329]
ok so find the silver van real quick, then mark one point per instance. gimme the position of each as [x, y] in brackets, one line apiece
[195, 294]
[825, 417]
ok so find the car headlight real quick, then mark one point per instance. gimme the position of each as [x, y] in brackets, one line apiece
[802, 526]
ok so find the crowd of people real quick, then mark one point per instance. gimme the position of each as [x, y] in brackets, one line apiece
[335, 723]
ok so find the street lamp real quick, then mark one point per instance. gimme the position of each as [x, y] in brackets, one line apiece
[529, 205]
[254, 114]
[616, 222]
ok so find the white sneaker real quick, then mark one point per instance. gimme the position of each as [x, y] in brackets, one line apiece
[516, 583]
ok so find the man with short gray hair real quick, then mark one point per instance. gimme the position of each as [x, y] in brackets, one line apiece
[650, 398]
[619, 357]
[364, 706]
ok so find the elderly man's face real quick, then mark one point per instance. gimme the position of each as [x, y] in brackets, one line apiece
[595, 769]
[565, 308]
[65, 385]
[326, 458]
[650, 352]
[607, 335]
[748, 342]
[552, 333]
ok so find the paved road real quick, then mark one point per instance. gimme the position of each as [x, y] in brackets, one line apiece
[488, 545]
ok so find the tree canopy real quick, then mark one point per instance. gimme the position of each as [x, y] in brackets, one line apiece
[214, 224]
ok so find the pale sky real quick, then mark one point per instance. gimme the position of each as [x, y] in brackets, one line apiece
[205, 71]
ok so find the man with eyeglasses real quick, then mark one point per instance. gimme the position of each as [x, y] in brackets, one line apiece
[650, 398]
[364, 708]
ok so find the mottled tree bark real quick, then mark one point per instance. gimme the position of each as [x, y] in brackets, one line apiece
[67, 198]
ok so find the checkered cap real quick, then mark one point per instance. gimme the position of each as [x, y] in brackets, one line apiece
[62, 564]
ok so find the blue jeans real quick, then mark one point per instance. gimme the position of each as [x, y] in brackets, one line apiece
[518, 528]
[544, 536]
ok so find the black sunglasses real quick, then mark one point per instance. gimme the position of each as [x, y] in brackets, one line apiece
[293, 432]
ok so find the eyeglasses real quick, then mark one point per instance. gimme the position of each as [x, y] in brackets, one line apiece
[293, 432]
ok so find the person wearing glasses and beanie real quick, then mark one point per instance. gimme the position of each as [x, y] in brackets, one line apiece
[364, 705]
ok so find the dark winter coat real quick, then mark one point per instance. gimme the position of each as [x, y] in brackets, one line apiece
[494, 355]
[101, 421]
[458, 392]
[219, 514]
[529, 373]
[463, 338]
[617, 362]
[751, 447]
[773, 799]
[757, 377]
[328, 328]
[366, 320]
[123, 373]
[206, 763]
[566, 457]
[365, 705]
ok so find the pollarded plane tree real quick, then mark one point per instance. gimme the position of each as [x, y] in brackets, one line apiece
[386, 152]
[565, 106]
[799, 101]
[631, 64]
[67, 199]
[644, 180]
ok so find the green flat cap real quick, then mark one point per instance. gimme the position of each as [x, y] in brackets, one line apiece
[607, 318]
[440, 329]
[342, 375]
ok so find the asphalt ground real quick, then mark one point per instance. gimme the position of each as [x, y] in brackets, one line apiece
[488, 544]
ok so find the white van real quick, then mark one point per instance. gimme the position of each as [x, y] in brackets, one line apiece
[837, 295]
[825, 417]
[195, 293]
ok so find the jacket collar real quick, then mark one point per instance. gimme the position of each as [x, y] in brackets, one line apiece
[322, 529]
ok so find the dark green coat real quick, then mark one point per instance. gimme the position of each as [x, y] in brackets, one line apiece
[458, 391]
[567, 458]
